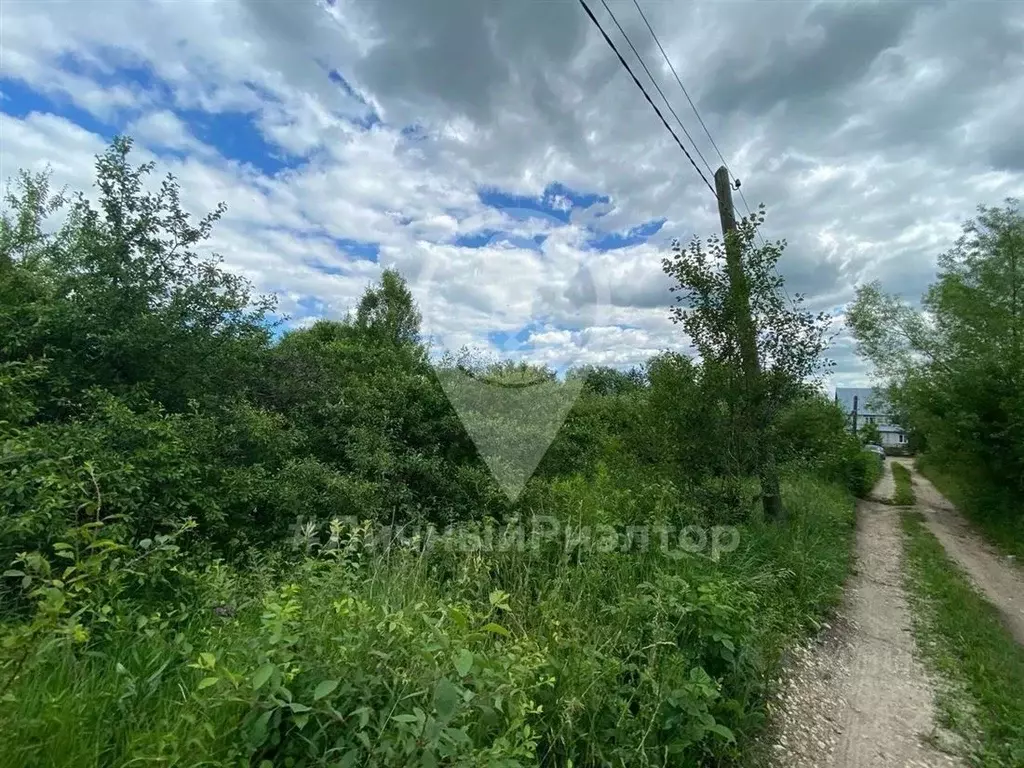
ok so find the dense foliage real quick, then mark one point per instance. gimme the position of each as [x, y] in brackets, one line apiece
[734, 312]
[955, 366]
[195, 571]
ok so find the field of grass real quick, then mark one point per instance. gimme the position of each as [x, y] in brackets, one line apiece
[550, 654]
[904, 494]
[961, 636]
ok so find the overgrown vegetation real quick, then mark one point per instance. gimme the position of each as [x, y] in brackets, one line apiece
[864, 473]
[998, 517]
[962, 636]
[763, 348]
[227, 546]
[904, 494]
[955, 368]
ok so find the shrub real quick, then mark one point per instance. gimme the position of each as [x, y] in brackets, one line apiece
[864, 471]
[411, 656]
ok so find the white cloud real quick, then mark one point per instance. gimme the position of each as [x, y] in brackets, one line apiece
[164, 129]
[872, 132]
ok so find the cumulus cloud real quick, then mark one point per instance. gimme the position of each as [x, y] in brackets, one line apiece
[346, 136]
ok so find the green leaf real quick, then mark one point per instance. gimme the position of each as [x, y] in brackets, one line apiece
[206, 682]
[499, 598]
[296, 707]
[497, 629]
[404, 718]
[208, 660]
[258, 733]
[463, 662]
[446, 698]
[262, 675]
[17, 574]
[300, 720]
[722, 731]
[326, 688]
[364, 716]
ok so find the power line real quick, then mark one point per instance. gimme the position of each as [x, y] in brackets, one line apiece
[658, 87]
[681, 86]
[686, 93]
[647, 96]
[703, 125]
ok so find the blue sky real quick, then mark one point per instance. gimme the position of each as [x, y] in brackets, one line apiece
[497, 155]
[509, 220]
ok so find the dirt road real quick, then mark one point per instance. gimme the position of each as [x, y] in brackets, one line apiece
[885, 488]
[995, 576]
[858, 697]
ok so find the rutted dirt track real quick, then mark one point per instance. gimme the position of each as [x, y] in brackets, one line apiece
[858, 697]
[997, 578]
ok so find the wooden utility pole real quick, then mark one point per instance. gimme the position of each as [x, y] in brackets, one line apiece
[855, 415]
[754, 401]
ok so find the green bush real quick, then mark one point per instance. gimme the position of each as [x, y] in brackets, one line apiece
[161, 448]
[408, 656]
[864, 471]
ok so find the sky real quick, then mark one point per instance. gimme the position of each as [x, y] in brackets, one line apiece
[496, 153]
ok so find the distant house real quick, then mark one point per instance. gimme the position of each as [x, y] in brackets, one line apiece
[867, 405]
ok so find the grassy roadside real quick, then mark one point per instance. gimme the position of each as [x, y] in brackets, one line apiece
[904, 495]
[512, 656]
[961, 636]
[1000, 525]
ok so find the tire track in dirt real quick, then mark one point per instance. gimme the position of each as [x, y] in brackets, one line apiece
[858, 697]
[998, 579]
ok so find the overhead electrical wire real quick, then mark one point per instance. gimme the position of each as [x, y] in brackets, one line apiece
[658, 87]
[686, 93]
[658, 112]
[647, 96]
[680, 82]
[696, 112]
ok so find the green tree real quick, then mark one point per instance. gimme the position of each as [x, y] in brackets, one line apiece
[869, 434]
[118, 297]
[604, 380]
[387, 312]
[954, 366]
[790, 340]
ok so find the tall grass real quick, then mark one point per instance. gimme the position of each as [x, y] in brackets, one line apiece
[962, 636]
[547, 654]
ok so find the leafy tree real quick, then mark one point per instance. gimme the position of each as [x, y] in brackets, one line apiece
[789, 340]
[954, 366]
[116, 297]
[604, 380]
[869, 434]
[387, 312]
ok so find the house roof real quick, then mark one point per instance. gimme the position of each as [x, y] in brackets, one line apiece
[870, 400]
